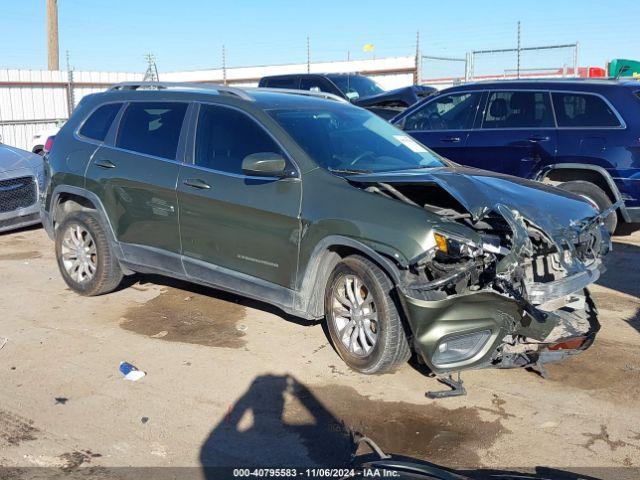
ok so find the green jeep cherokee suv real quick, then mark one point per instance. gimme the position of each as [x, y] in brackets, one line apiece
[325, 210]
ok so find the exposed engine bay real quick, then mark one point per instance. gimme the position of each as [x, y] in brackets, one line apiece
[540, 263]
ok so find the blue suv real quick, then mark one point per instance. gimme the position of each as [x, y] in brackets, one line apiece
[581, 135]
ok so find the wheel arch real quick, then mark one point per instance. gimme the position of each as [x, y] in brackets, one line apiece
[325, 256]
[566, 172]
[66, 199]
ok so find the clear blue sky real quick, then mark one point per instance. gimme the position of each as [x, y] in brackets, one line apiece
[189, 34]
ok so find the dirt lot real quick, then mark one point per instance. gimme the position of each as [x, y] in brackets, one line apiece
[234, 382]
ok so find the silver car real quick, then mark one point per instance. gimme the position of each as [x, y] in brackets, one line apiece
[21, 180]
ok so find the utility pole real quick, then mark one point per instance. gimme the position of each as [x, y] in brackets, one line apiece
[519, 47]
[151, 75]
[308, 55]
[417, 74]
[224, 65]
[53, 56]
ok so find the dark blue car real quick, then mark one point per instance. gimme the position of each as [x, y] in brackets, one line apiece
[582, 135]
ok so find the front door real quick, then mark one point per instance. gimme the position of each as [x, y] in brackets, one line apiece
[245, 224]
[443, 123]
[516, 133]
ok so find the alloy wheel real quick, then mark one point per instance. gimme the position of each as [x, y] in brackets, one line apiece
[354, 315]
[79, 253]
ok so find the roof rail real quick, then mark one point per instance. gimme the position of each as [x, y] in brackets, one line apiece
[220, 89]
[307, 93]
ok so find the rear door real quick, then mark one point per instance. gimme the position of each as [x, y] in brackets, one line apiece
[444, 122]
[516, 133]
[245, 224]
[590, 131]
[135, 177]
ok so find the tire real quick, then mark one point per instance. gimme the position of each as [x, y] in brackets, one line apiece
[596, 196]
[103, 275]
[381, 317]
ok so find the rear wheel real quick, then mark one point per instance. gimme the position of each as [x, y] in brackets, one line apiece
[362, 318]
[84, 255]
[596, 197]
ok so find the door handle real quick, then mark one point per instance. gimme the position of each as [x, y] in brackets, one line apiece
[538, 138]
[197, 183]
[451, 139]
[104, 164]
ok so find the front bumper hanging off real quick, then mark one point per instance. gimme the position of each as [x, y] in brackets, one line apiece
[488, 329]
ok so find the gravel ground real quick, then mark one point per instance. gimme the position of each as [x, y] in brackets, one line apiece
[235, 382]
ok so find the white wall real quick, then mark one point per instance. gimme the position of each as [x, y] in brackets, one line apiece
[32, 101]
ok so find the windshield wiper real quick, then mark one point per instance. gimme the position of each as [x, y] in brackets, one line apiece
[348, 170]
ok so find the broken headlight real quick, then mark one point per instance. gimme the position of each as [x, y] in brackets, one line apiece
[459, 348]
[449, 246]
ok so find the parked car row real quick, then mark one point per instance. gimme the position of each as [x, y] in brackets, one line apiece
[583, 136]
[357, 89]
[328, 212]
[21, 181]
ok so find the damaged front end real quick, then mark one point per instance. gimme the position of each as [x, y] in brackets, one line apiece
[513, 294]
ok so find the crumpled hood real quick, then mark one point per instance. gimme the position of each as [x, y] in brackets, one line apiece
[480, 192]
[409, 95]
[12, 158]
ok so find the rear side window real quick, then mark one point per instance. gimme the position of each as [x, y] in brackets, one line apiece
[97, 125]
[518, 109]
[583, 110]
[225, 136]
[282, 82]
[448, 112]
[152, 128]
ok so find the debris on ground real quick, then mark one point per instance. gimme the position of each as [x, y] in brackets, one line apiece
[161, 334]
[61, 400]
[131, 372]
[3, 342]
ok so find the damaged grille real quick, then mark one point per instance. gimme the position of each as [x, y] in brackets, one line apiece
[16, 193]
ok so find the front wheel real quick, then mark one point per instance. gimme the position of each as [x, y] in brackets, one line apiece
[362, 318]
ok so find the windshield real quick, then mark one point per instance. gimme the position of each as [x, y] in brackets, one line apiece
[356, 86]
[353, 140]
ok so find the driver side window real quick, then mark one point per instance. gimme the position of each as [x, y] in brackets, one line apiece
[225, 136]
[448, 112]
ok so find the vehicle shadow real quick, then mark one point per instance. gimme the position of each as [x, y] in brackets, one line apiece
[626, 229]
[144, 279]
[623, 269]
[277, 422]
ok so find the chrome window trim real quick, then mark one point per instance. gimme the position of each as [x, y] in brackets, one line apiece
[549, 91]
[288, 156]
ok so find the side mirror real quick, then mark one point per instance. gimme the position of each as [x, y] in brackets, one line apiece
[264, 164]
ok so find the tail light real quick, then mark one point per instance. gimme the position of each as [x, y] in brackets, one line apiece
[48, 145]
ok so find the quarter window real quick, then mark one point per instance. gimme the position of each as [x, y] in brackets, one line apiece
[448, 112]
[152, 128]
[583, 110]
[519, 109]
[225, 136]
[97, 125]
